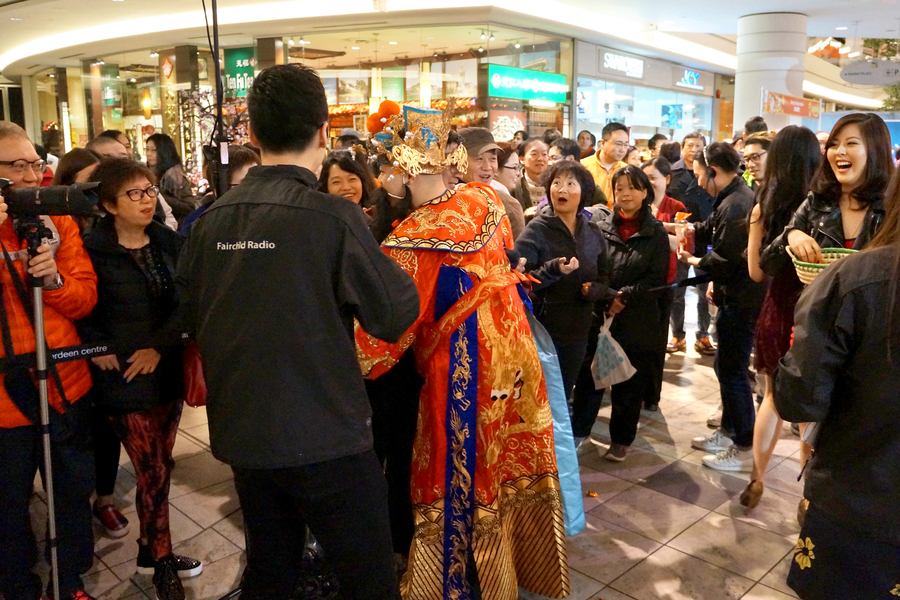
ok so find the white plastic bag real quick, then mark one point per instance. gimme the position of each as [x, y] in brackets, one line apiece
[610, 365]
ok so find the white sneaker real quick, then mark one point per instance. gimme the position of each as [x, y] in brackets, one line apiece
[715, 419]
[731, 460]
[717, 442]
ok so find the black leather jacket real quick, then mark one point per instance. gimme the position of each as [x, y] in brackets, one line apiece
[821, 220]
[837, 373]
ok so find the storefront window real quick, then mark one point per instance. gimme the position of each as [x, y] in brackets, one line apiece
[644, 110]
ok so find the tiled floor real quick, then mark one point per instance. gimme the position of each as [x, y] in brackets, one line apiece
[661, 526]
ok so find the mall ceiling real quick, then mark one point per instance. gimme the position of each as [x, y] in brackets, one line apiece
[37, 34]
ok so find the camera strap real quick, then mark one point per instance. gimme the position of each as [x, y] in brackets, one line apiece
[28, 305]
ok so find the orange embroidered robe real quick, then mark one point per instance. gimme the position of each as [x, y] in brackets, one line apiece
[484, 475]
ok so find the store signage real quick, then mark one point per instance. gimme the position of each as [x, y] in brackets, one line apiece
[632, 67]
[167, 67]
[240, 69]
[872, 72]
[690, 79]
[522, 84]
[782, 104]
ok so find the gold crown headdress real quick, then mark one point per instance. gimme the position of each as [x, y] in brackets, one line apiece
[415, 138]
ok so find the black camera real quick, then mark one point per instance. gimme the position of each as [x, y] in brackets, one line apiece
[55, 200]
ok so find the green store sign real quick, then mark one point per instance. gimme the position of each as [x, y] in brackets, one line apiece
[522, 84]
[240, 69]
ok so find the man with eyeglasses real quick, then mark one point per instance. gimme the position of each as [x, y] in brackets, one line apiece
[609, 157]
[756, 148]
[70, 292]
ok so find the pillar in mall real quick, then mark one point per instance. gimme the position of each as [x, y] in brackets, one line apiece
[771, 55]
[269, 52]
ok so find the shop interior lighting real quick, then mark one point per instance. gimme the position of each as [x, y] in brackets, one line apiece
[491, 37]
[354, 47]
[841, 28]
[392, 43]
[518, 45]
[480, 49]
[15, 19]
[291, 42]
[483, 36]
[154, 54]
[303, 42]
[132, 80]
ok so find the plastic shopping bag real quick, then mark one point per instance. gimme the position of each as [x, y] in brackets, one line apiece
[564, 443]
[610, 365]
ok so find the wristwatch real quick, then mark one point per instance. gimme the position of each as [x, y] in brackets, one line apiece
[55, 283]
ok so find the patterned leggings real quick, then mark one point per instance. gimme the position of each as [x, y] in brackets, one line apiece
[148, 437]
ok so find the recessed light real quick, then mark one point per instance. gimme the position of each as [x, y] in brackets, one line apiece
[133, 80]
[518, 45]
[480, 49]
[15, 19]
[841, 28]
[392, 43]
[354, 47]
[51, 75]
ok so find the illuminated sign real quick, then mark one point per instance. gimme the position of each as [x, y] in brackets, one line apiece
[522, 84]
[690, 79]
[632, 67]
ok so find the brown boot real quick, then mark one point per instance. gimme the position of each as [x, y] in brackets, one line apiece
[751, 494]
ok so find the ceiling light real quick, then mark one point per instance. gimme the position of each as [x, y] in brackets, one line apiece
[133, 80]
[482, 35]
[52, 75]
[841, 28]
[354, 47]
[303, 42]
[518, 45]
[435, 55]
[492, 37]
[291, 42]
[14, 19]
[392, 43]
[480, 49]
[154, 54]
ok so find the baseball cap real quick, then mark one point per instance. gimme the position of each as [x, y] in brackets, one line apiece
[477, 140]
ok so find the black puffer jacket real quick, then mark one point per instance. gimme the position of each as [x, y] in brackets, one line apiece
[727, 231]
[821, 220]
[128, 313]
[636, 265]
[837, 373]
[558, 302]
[685, 189]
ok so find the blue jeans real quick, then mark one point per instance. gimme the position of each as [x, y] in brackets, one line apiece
[677, 317]
[735, 326]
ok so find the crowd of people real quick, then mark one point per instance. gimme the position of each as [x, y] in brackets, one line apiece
[368, 315]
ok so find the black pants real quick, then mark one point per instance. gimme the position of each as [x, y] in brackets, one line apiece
[21, 455]
[344, 503]
[395, 409]
[106, 452]
[570, 355]
[628, 396]
[585, 399]
[735, 326]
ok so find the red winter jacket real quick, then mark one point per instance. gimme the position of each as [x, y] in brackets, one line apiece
[74, 300]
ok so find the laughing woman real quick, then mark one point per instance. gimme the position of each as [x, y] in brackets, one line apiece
[845, 207]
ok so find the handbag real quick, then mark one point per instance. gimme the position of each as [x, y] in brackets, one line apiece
[194, 382]
[610, 365]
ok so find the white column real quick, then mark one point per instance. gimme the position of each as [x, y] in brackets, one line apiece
[771, 55]
[32, 108]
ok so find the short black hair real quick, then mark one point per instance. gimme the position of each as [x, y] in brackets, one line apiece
[41, 151]
[550, 135]
[578, 172]
[638, 180]
[112, 134]
[346, 141]
[113, 173]
[524, 134]
[653, 141]
[567, 147]
[524, 146]
[761, 138]
[660, 164]
[287, 106]
[453, 138]
[609, 128]
[593, 137]
[354, 162]
[671, 151]
[720, 155]
[74, 161]
[755, 125]
[694, 135]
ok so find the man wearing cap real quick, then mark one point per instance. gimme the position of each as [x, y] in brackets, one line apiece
[482, 150]
[348, 138]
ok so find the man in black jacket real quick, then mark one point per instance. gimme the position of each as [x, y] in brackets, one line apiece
[738, 298]
[273, 275]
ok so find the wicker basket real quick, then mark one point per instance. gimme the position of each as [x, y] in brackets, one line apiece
[807, 272]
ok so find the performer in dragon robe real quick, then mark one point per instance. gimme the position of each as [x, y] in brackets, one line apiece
[485, 490]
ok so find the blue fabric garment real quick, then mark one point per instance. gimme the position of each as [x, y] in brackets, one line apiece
[566, 459]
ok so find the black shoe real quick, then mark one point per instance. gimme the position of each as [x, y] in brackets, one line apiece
[165, 580]
[651, 407]
[185, 566]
